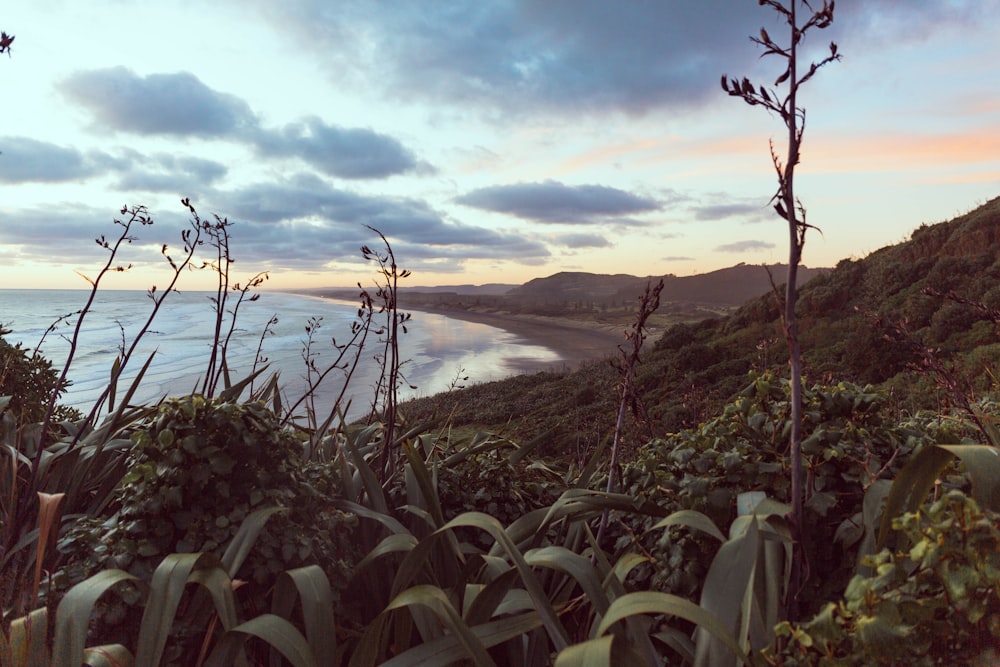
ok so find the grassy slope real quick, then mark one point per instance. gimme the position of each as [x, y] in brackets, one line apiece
[848, 319]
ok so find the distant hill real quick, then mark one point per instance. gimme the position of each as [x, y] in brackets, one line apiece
[732, 286]
[877, 320]
[603, 297]
[488, 288]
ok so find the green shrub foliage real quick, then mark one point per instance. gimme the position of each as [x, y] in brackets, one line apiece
[197, 471]
[936, 603]
[850, 441]
[30, 381]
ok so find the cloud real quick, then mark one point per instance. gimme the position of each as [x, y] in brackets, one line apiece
[188, 176]
[338, 151]
[752, 212]
[66, 233]
[181, 105]
[582, 241]
[555, 202]
[305, 221]
[744, 246]
[677, 258]
[176, 104]
[27, 160]
[523, 57]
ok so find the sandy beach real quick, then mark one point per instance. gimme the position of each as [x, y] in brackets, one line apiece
[574, 341]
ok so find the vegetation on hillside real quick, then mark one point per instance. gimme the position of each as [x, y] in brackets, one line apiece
[488, 526]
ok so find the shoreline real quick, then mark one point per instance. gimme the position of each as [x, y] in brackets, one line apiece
[574, 341]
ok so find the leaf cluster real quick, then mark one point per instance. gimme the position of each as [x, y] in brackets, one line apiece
[195, 472]
[935, 603]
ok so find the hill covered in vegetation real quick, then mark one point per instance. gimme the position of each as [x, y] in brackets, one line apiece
[888, 318]
[602, 298]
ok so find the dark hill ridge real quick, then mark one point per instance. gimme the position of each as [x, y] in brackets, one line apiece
[731, 286]
[610, 300]
[582, 295]
[867, 321]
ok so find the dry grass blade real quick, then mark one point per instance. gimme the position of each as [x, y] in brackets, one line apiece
[108, 655]
[48, 518]
[27, 645]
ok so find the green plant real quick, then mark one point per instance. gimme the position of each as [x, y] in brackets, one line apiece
[937, 602]
[174, 611]
[194, 472]
[29, 380]
[852, 442]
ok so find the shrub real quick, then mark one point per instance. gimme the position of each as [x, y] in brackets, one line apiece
[195, 472]
[849, 442]
[937, 603]
[30, 381]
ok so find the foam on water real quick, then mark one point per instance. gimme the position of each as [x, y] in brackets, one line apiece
[437, 348]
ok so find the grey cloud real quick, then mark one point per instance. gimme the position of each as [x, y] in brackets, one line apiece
[176, 104]
[583, 241]
[524, 56]
[752, 212]
[677, 258]
[186, 176]
[558, 203]
[306, 220]
[25, 160]
[338, 151]
[66, 233]
[528, 56]
[743, 246]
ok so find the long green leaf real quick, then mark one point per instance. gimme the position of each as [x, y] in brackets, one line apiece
[447, 650]
[727, 589]
[165, 591]
[591, 653]
[242, 543]
[397, 543]
[220, 588]
[437, 601]
[73, 615]
[427, 487]
[983, 464]
[691, 519]
[369, 482]
[311, 587]
[911, 486]
[576, 566]
[274, 630]
[490, 597]
[654, 602]
[557, 633]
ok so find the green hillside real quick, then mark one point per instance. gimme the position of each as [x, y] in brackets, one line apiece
[867, 321]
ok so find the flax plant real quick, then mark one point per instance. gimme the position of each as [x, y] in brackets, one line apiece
[787, 205]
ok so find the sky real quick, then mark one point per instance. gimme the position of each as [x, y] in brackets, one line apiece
[488, 140]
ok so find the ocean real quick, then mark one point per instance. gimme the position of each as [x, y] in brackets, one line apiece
[437, 350]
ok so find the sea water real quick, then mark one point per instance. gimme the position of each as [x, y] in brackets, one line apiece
[437, 351]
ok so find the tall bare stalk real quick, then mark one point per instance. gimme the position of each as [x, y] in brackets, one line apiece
[793, 212]
[648, 303]
[386, 395]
